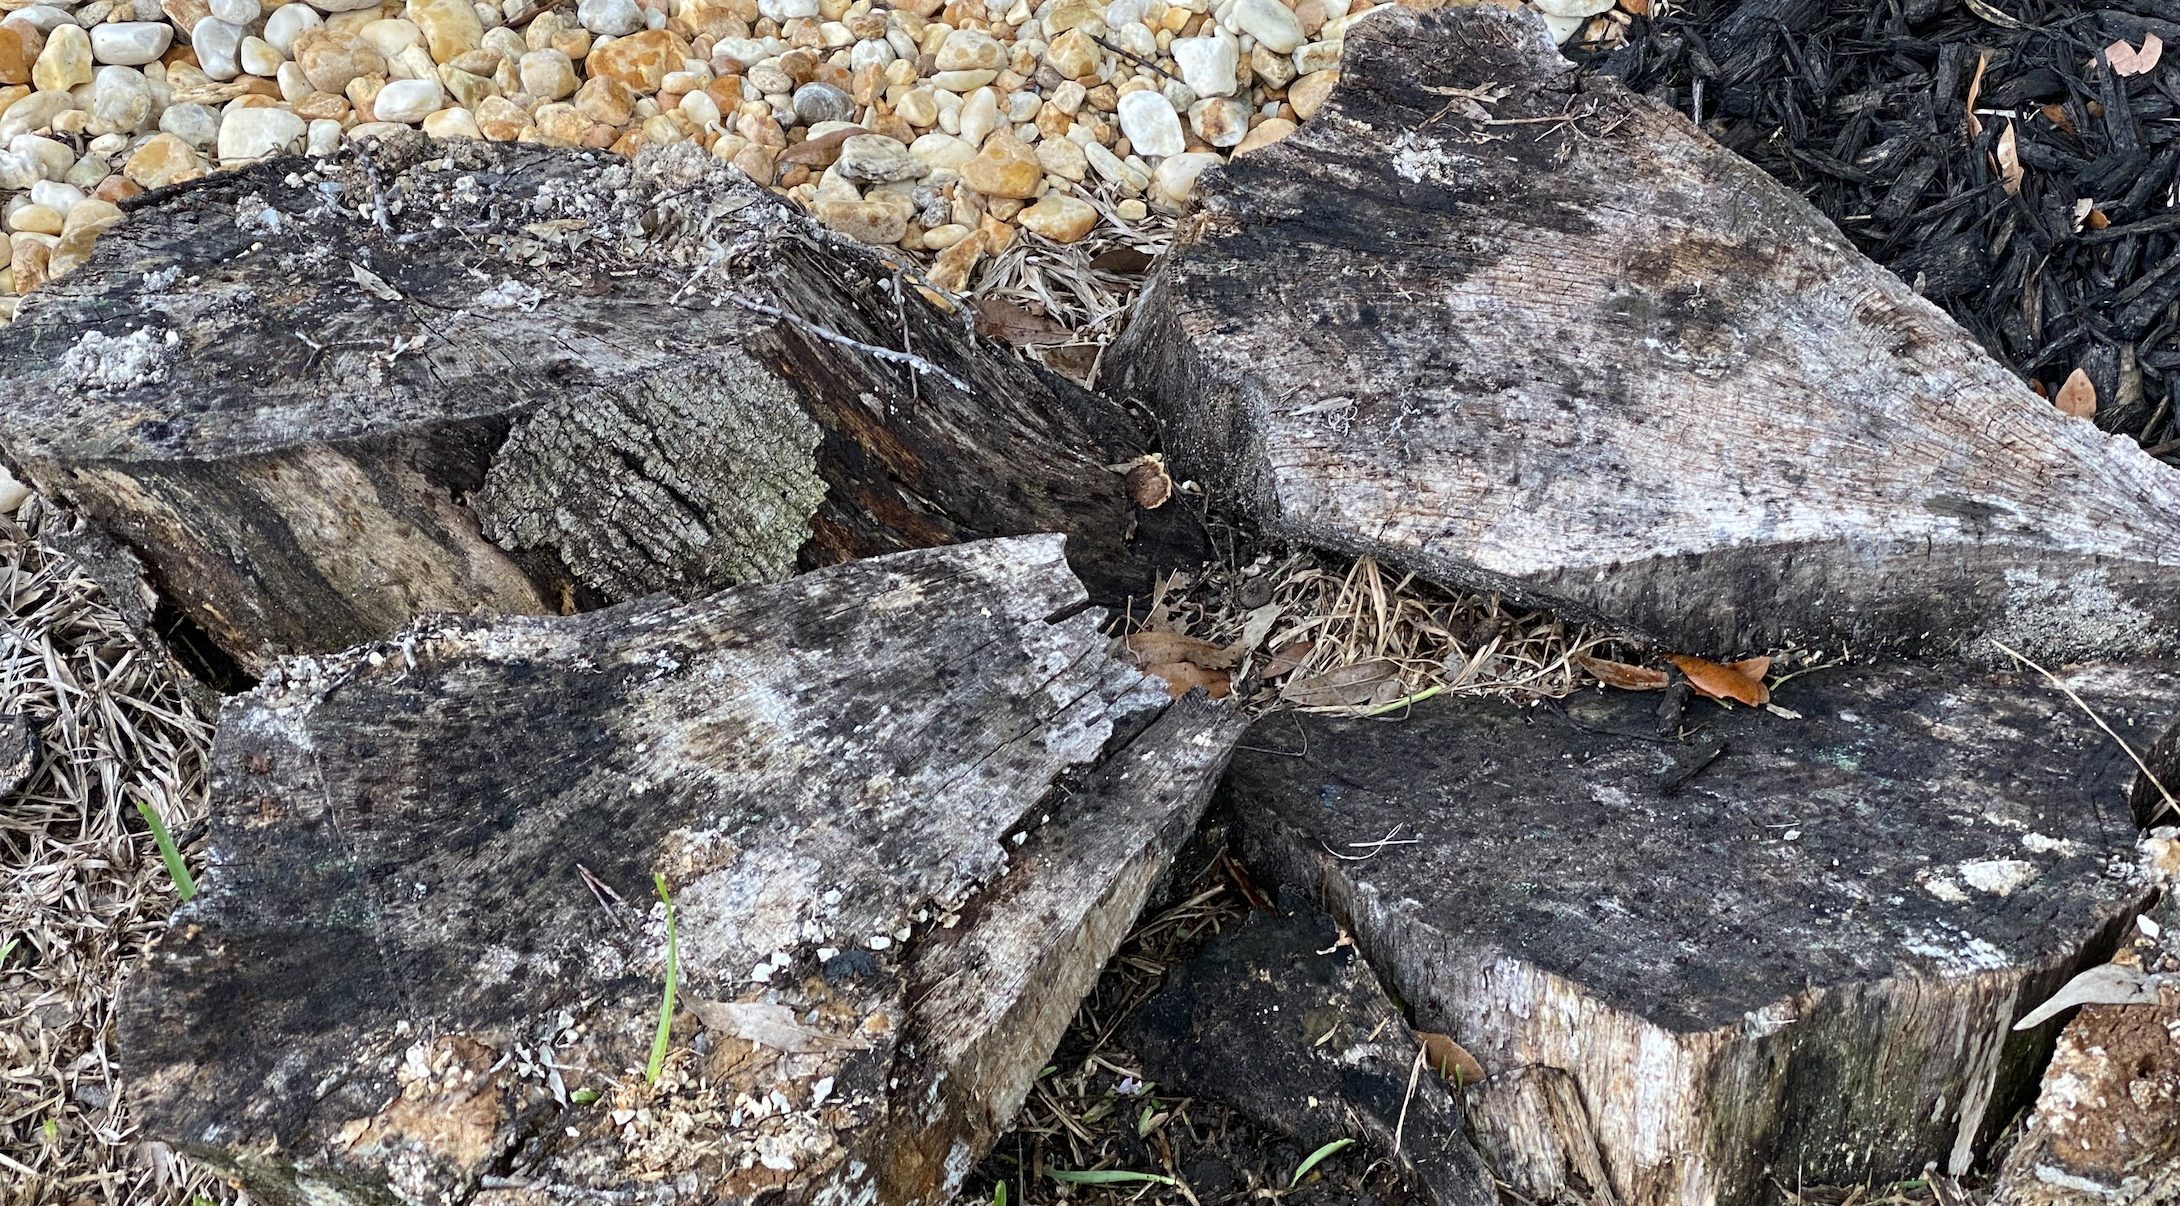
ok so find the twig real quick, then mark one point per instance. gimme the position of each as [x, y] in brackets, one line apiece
[1415, 1073]
[1138, 62]
[2144, 767]
[910, 359]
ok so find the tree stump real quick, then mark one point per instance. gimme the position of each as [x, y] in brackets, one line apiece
[319, 399]
[1782, 947]
[1528, 334]
[904, 808]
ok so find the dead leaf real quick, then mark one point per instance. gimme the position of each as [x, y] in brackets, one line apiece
[1180, 676]
[1376, 681]
[2126, 60]
[2009, 160]
[1122, 261]
[2056, 115]
[1975, 124]
[1151, 648]
[1751, 668]
[1288, 658]
[1449, 1059]
[1635, 8]
[1624, 676]
[771, 1026]
[372, 283]
[2096, 219]
[1148, 484]
[1723, 682]
[1256, 624]
[1015, 325]
[2078, 397]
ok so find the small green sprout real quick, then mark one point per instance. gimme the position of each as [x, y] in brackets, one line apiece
[1318, 1157]
[666, 1008]
[184, 886]
[1110, 1176]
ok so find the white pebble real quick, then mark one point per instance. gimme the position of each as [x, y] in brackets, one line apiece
[219, 48]
[255, 133]
[259, 57]
[235, 12]
[1150, 123]
[1271, 23]
[131, 43]
[1209, 65]
[616, 18]
[407, 101]
[288, 21]
[787, 10]
[325, 137]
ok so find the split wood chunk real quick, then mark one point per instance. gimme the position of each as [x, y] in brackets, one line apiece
[527, 380]
[428, 956]
[1780, 947]
[1529, 334]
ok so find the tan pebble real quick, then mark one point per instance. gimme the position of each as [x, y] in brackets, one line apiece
[994, 234]
[1104, 98]
[664, 131]
[452, 122]
[1311, 13]
[66, 60]
[950, 271]
[482, 61]
[1265, 133]
[629, 143]
[28, 264]
[163, 159]
[1073, 54]
[323, 106]
[1272, 70]
[639, 61]
[918, 108]
[560, 123]
[1309, 92]
[1132, 209]
[939, 238]
[117, 187]
[755, 160]
[1068, 15]
[331, 61]
[14, 61]
[388, 37]
[451, 27]
[90, 214]
[548, 75]
[603, 98]
[1063, 159]
[37, 219]
[1059, 217]
[500, 119]
[1006, 167]
[600, 137]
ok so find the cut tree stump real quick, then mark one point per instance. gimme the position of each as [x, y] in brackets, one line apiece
[1535, 335]
[1782, 947]
[904, 808]
[322, 398]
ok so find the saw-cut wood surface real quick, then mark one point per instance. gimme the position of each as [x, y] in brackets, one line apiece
[320, 399]
[1540, 336]
[904, 809]
[1761, 946]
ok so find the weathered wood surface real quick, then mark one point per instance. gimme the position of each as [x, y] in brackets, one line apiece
[1798, 956]
[1606, 365]
[549, 380]
[1280, 1021]
[428, 935]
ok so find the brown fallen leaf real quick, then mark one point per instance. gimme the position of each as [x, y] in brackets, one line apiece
[1376, 681]
[1122, 261]
[1751, 668]
[1623, 675]
[2126, 60]
[2009, 159]
[1723, 682]
[1288, 658]
[2078, 397]
[2056, 115]
[1151, 648]
[1014, 324]
[1449, 1059]
[1975, 124]
[1148, 484]
[1180, 676]
[1635, 8]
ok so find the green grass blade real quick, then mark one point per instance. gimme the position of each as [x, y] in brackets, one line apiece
[666, 1008]
[999, 1194]
[184, 886]
[1110, 1176]
[1318, 1157]
[7, 948]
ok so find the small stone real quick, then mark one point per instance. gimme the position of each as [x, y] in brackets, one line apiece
[918, 108]
[406, 101]
[45, 18]
[941, 152]
[1177, 174]
[979, 116]
[28, 264]
[1068, 97]
[1317, 56]
[1221, 121]
[548, 75]
[1062, 158]
[641, 60]
[324, 138]
[117, 188]
[483, 61]
[1150, 123]
[120, 100]
[1309, 92]
[605, 99]
[65, 61]
[876, 222]
[129, 43]
[1132, 210]
[1073, 54]
[281, 28]
[1208, 65]
[1006, 167]
[163, 159]
[755, 160]
[500, 119]
[962, 81]
[15, 57]
[784, 11]
[970, 50]
[259, 58]
[323, 106]
[390, 37]
[1068, 15]
[816, 102]
[91, 214]
[56, 195]
[951, 270]
[248, 134]
[939, 238]
[1271, 23]
[234, 12]
[1271, 70]
[196, 125]
[331, 61]
[219, 48]
[876, 159]
[1059, 217]
[451, 27]
[701, 110]
[37, 219]
[453, 122]
[613, 18]
[1265, 133]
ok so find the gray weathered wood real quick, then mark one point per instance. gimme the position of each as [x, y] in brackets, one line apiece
[550, 380]
[1606, 365]
[427, 958]
[1798, 956]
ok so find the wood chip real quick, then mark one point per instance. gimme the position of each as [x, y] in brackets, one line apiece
[2009, 160]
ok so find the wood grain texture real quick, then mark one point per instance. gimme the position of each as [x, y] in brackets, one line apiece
[1804, 960]
[552, 380]
[398, 978]
[1606, 365]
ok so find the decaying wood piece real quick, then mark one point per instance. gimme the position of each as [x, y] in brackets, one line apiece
[2106, 1131]
[428, 956]
[1787, 947]
[1535, 1131]
[1540, 336]
[320, 399]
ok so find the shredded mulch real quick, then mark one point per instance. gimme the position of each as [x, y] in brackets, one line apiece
[1984, 150]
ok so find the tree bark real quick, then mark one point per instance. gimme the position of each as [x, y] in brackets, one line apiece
[904, 807]
[1779, 948]
[1529, 334]
[320, 399]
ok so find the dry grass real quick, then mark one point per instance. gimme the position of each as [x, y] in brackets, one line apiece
[84, 890]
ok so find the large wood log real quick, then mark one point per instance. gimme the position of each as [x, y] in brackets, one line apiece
[1782, 948]
[319, 399]
[904, 808]
[1540, 336]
